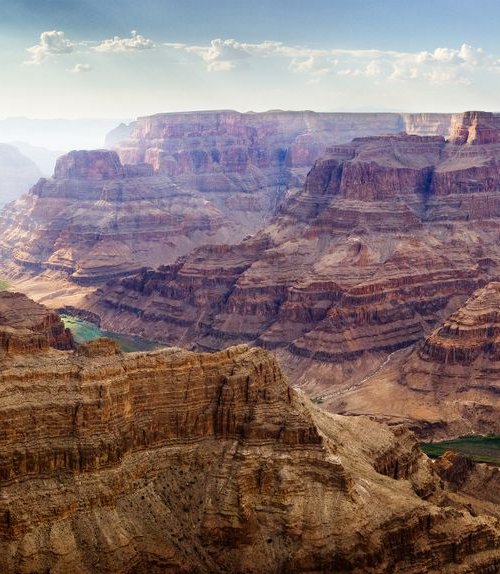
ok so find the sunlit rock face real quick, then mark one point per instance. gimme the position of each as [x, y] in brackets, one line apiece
[183, 180]
[183, 462]
[96, 218]
[388, 236]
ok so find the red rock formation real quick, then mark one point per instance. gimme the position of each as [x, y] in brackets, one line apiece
[219, 176]
[365, 261]
[97, 218]
[26, 326]
[173, 461]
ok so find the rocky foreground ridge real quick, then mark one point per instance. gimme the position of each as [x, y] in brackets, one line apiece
[171, 461]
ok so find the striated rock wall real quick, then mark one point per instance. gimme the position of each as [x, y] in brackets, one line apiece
[97, 218]
[370, 257]
[184, 180]
[26, 326]
[170, 461]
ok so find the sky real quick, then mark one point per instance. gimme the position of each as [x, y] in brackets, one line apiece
[129, 58]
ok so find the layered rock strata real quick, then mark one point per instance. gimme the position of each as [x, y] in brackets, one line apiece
[170, 461]
[246, 163]
[27, 327]
[97, 218]
[207, 141]
[198, 178]
[449, 384]
[389, 236]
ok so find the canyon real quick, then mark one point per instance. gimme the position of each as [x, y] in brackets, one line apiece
[198, 178]
[390, 235]
[173, 461]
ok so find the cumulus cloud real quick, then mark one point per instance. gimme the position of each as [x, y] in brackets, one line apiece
[136, 42]
[51, 42]
[440, 66]
[81, 68]
[221, 55]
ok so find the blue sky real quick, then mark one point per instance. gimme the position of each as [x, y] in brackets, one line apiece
[121, 58]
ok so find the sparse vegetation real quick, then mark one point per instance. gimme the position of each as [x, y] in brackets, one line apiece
[479, 448]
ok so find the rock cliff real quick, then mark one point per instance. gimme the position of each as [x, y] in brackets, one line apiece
[197, 178]
[171, 461]
[96, 218]
[26, 327]
[448, 384]
[389, 236]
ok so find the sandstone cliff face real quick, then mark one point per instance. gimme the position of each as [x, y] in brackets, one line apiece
[459, 364]
[96, 218]
[448, 385]
[17, 173]
[197, 178]
[27, 327]
[247, 162]
[230, 141]
[374, 253]
[170, 461]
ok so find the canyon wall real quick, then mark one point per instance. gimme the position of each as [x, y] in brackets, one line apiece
[96, 218]
[182, 180]
[389, 236]
[171, 461]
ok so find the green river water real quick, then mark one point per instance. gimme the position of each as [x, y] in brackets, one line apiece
[86, 331]
[479, 448]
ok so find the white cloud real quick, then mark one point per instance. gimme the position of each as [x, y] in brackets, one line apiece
[81, 68]
[135, 43]
[440, 66]
[221, 55]
[51, 42]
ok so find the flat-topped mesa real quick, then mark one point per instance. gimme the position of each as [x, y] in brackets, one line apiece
[227, 140]
[96, 218]
[476, 128]
[90, 165]
[97, 165]
[27, 327]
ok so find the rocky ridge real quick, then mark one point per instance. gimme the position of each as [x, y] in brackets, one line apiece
[175, 461]
[97, 218]
[184, 180]
[389, 236]
[27, 327]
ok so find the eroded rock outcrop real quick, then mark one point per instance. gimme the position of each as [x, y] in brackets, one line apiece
[182, 462]
[27, 327]
[449, 384]
[373, 254]
[96, 218]
[197, 178]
